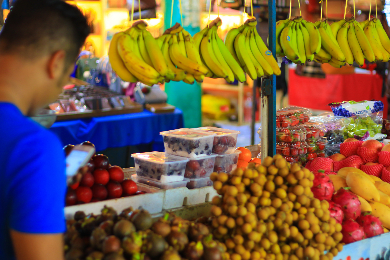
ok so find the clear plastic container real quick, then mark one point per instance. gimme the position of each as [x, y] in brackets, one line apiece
[199, 183]
[289, 135]
[292, 116]
[314, 131]
[188, 143]
[225, 140]
[159, 184]
[226, 162]
[157, 164]
[291, 149]
[200, 168]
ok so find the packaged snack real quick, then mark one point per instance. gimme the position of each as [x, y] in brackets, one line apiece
[155, 165]
[188, 143]
[200, 168]
[225, 140]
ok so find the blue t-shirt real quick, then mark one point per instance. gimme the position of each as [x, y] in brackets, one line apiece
[32, 179]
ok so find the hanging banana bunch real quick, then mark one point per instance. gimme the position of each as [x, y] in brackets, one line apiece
[298, 40]
[182, 56]
[134, 56]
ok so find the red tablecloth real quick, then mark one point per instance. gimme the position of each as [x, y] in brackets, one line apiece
[317, 93]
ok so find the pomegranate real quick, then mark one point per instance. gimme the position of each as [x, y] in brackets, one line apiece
[352, 231]
[101, 176]
[99, 192]
[372, 226]
[349, 203]
[87, 180]
[116, 173]
[114, 189]
[322, 186]
[336, 212]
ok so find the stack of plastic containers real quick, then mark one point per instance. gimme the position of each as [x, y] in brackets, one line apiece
[189, 159]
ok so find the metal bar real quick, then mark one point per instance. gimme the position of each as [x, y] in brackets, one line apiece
[240, 103]
[264, 121]
[253, 121]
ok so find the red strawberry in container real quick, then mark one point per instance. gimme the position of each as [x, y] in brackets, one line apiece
[322, 186]
[321, 145]
[294, 152]
[311, 156]
[286, 151]
[311, 148]
[349, 202]
[352, 231]
[372, 226]
[336, 212]
[278, 123]
[296, 136]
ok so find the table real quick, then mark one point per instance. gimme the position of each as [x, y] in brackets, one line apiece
[317, 93]
[119, 130]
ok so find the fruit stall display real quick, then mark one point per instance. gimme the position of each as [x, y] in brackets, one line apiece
[102, 181]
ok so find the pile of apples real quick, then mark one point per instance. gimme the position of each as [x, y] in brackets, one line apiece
[101, 182]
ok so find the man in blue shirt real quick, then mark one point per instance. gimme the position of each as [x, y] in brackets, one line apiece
[39, 44]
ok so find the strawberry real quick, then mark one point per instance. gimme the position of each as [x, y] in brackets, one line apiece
[311, 156]
[321, 145]
[321, 154]
[296, 137]
[285, 124]
[324, 164]
[352, 161]
[294, 152]
[296, 144]
[286, 151]
[288, 139]
[278, 123]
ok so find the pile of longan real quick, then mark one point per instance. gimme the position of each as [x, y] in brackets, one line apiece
[269, 212]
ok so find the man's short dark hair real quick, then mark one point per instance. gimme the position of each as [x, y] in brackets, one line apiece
[39, 27]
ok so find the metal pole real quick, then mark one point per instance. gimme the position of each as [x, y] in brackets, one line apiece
[268, 94]
[253, 121]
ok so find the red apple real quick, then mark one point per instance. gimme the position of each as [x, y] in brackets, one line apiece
[67, 149]
[71, 197]
[337, 157]
[373, 145]
[99, 192]
[84, 194]
[87, 180]
[116, 173]
[350, 140]
[101, 161]
[386, 148]
[129, 187]
[74, 186]
[101, 176]
[91, 165]
[114, 189]
[371, 163]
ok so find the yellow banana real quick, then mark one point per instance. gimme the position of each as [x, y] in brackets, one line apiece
[179, 73]
[354, 45]
[209, 56]
[127, 49]
[333, 64]
[160, 40]
[257, 55]
[385, 53]
[323, 55]
[259, 69]
[116, 61]
[196, 42]
[192, 53]
[340, 63]
[142, 50]
[300, 44]
[335, 27]
[182, 61]
[328, 44]
[243, 55]
[189, 79]
[315, 38]
[364, 43]
[182, 44]
[306, 39]
[219, 56]
[279, 27]
[199, 78]
[369, 32]
[239, 74]
[342, 39]
[229, 42]
[363, 24]
[266, 53]
[156, 56]
[288, 42]
[382, 35]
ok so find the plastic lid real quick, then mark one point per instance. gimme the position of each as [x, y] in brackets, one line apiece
[159, 157]
[187, 133]
[236, 152]
[218, 131]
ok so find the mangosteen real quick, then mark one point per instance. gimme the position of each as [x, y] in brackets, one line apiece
[212, 253]
[79, 215]
[114, 256]
[108, 213]
[107, 226]
[95, 255]
[161, 227]
[87, 226]
[111, 244]
[197, 231]
[132, 244]
[123, 228]
[156, 245]
[178, 240]
[74, 254]
[142, 220]
[126, 213]
[70, 233]
[77, 242]
[180, 225]
[170, 254]
[97, 238]
[193, 251]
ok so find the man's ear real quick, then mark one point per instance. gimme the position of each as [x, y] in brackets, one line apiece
[55, 65]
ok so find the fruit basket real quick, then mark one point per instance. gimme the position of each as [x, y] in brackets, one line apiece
[188, 143]
[225, 140]
[200, 168]
[290, 134]
[226, 162]
[159, 166]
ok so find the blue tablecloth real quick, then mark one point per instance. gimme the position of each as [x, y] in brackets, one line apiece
[119, 131]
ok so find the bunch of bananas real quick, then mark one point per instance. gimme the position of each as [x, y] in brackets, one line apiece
[135, 56]
[181, 53]
[298, 40]
[247, 48]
